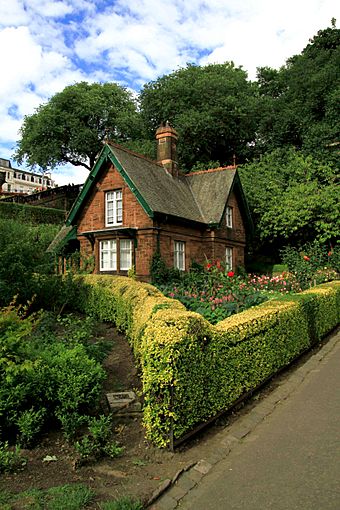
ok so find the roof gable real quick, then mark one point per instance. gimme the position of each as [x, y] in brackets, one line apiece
[200, 197]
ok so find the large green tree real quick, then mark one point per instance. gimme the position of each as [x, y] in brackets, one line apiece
[71, 126]
[294, 198]
[299, 104]
[211, 107]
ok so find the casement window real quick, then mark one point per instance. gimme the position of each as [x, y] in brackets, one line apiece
[109, 251]
[179, 255]
[229, 216]
[113, 208]
[125, 253]
[229, 259]
[108, 255]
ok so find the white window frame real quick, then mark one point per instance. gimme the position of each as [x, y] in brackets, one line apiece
[113, 208]
[179, 255]
[229, 216]
[108, 255]
[125, 247]
[229, 258]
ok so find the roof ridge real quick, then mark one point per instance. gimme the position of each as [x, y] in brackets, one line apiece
[137, 154]
[211, 170]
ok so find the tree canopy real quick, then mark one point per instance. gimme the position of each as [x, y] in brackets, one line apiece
[211, 107]
[71, 126]
[299, 104]
[294, 198]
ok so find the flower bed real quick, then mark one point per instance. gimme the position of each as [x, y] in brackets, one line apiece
[217, 294]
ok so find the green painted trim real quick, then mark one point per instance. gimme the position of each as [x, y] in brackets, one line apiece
[131, 185]
[105, 154]
[89, 183]
[249, 221]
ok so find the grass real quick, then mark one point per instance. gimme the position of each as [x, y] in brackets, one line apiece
[64, 497]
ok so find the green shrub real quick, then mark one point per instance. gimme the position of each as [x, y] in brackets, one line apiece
[192, 370]
[10, 458]
[32, 214]
[99, 440]
[44, 376]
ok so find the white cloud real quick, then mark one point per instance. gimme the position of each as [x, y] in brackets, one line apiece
[132, 42]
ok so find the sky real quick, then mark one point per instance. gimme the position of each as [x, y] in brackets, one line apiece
[46, 45]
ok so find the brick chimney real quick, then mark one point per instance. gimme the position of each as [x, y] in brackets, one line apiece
[167, 137]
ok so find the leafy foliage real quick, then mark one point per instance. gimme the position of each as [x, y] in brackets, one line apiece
[299, 104]
[211, 107]
[70, 128]
[31, 214]
[44, 375]
[308, 194]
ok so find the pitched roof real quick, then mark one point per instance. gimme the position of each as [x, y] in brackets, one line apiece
[199, 197]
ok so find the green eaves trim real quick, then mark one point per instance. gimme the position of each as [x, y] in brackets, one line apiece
[131, 185]
[105, 154]
[237, 181]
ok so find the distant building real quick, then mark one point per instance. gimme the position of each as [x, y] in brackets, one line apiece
[21, 181]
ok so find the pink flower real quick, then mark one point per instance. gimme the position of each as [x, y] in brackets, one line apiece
[306, 258]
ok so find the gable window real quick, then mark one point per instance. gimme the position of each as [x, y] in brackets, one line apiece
[229, 216]
[108, 255]
[229, 259]
[125, 254]
[179, 255]
[113, 208]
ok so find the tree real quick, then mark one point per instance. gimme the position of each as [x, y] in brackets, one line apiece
[293, 198]
[299, 104]
[211, 107]
[70, 128]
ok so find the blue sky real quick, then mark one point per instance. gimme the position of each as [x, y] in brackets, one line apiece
[47, 45]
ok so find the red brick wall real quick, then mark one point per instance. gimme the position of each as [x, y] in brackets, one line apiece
[201, 244]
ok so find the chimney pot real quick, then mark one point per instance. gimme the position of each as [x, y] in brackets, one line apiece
[167, 137]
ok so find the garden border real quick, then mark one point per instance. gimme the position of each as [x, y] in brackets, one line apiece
[193, 371]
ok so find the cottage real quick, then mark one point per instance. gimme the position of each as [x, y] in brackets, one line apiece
[131, 208]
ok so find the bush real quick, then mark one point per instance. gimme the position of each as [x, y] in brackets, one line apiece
[313, 263]
[192, 370]
[44, 376]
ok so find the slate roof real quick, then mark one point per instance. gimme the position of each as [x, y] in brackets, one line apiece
[200, 197]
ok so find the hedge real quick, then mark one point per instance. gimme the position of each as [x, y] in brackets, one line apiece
[192, 370]
[30, 213]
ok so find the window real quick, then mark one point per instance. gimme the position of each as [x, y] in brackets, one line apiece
[229, 259]
[108, 250]
[179, 255]
[229, 217]
[113, 208]
[125, 254]
[108, 255]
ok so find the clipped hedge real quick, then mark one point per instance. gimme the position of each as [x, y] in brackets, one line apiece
[192, 370]
[31, 214]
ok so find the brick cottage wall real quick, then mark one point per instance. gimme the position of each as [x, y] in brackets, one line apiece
[201, 244]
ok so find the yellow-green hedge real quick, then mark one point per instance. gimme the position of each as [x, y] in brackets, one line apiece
[191, 369]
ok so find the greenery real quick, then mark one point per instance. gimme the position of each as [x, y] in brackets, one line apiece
[299, 103]
[22, 255]
[124, 503]
[206, 367]
[212, 108]
[10, 458]
[47, 374]
[71, 127]
[99, 440]
[308, 191]
[31, 214]
[65, 497]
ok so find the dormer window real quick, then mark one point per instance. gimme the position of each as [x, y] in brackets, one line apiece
[229, 216]
[113, 208]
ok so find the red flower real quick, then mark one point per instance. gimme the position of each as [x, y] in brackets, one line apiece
[208, 265]
[306, 258]
[231, 274]
[330, 253]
